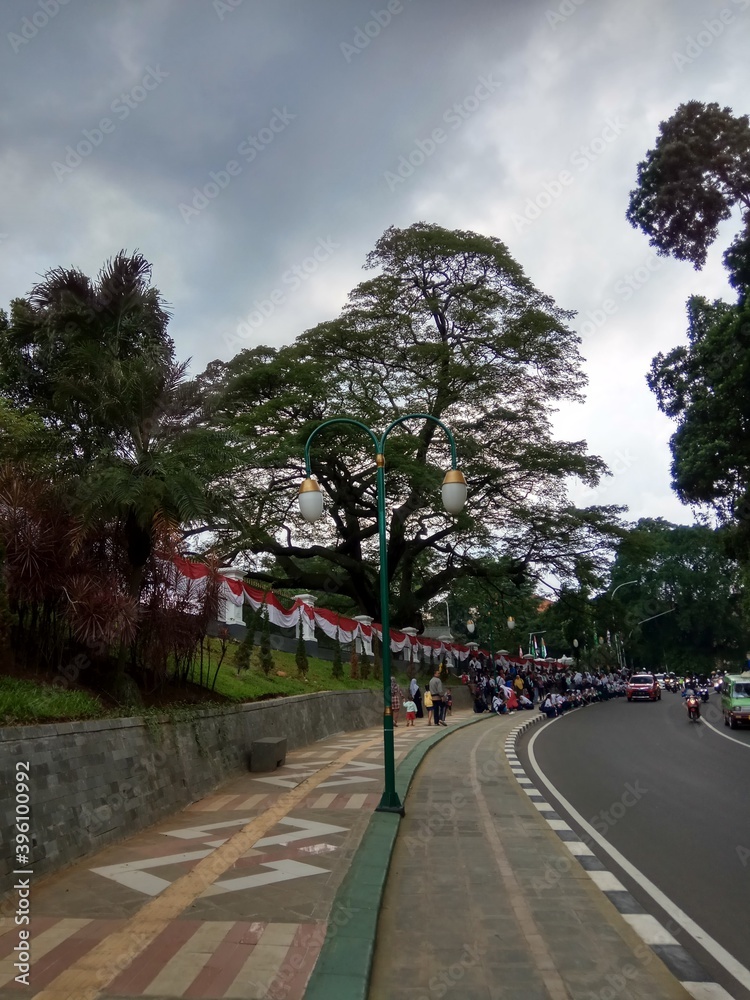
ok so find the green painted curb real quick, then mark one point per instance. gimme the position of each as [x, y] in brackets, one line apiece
[342, 971]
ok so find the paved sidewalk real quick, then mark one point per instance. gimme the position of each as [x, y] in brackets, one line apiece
[229, 898]
[246, 892]
[484, 902]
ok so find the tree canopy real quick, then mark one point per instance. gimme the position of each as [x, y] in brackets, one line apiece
[107, 454]
[449, 326]
[680, 567]
[697, 173]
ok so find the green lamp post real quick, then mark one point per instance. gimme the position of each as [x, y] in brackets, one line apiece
[311, 508]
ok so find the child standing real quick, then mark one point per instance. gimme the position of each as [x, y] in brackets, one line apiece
[410, 708]
[428, 705]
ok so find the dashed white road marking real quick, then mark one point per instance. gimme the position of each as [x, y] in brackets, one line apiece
[730, 964]
[649, 928]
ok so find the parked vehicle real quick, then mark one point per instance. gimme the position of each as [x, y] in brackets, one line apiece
[643, 686]
[735, 699]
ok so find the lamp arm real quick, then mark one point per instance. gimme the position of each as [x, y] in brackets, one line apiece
[329, 423]
[421, 416]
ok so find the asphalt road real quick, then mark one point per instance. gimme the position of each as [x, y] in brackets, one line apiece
[673, 797]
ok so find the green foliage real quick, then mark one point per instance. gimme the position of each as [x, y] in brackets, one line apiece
[300, 656]
[7, 618]
[684, 568]
[337, 667]
[697, 174]
[95, 402]
[365, 667]
[25, 701]
[377, 660]
[449, 326]
[244, 652]
[704, 387]
[266, 656]
[689, 183]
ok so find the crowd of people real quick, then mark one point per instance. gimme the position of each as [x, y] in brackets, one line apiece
[526, 687]
[508, 688]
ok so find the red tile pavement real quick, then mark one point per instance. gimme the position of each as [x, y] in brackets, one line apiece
[146, 967]
[222, 968]
[65, 953]
[293, 976]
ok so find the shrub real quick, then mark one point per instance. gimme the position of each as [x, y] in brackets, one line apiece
[300, 656]
[337, 668]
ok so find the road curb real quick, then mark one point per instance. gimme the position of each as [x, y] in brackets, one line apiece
[687, 971]
[343, 969]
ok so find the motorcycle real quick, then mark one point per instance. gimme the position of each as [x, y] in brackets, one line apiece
[703, 692]
[693, 708]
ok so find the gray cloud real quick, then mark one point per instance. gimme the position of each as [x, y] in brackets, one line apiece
[572, 96]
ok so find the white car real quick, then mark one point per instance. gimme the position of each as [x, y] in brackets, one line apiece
[662, 679]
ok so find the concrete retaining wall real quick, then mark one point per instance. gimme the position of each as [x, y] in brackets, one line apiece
[91, 783]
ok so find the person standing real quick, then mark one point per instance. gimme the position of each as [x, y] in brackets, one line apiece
[415, 693]
[428, 706]
[436, 690]
[396, 696]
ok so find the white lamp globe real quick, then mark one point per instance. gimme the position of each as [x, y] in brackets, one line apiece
[310, 500]
[454, 491]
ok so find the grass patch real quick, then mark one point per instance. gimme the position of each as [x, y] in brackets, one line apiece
[26, 701]
[253, 685]
[250, 685]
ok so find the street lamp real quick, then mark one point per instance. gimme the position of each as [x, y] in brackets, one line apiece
[650, 620]
[311, 508]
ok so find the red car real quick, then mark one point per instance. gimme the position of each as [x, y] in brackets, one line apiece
[643, 686]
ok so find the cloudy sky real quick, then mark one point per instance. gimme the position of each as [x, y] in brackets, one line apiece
[255, 151]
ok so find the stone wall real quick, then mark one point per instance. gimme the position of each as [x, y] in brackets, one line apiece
[95, 782]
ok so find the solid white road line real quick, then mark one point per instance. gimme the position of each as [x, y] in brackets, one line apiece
[735, 968]
[707, 991]
[725, 736]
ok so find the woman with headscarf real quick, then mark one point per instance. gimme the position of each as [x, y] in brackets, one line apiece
[416, 696]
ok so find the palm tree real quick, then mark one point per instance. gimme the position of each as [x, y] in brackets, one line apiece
[94, 361]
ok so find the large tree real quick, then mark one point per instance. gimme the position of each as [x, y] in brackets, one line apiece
[449, 326]
[90, 384]
[698, 172]
[688, 588]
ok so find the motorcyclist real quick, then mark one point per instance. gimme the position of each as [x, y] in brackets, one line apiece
[695, 704]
